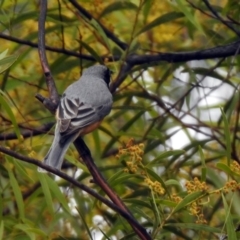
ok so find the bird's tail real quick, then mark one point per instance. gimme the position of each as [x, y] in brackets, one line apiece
[56, 153]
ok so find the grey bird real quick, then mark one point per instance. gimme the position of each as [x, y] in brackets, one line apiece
[82, 107]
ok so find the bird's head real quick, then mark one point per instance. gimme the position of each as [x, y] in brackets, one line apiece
[99, 71]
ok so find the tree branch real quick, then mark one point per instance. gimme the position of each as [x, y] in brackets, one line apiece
[172, 57]
[109, 34]
[70, 180]
[121, 76]
[212, 10]
[99, 180]
[52, 49]
[26, 133]
[42, 54]
[216, 52]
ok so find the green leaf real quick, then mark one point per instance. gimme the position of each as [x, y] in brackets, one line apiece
[1, 229]
[6, 106]
[85, 224]
[22, 170]
[137, 202]
[184, 8]
[200, 227]
[100, 31]
[205, 72]
[187, 200]
[122, 179]
[164, 155]
[204, 169]
[54, 188]
[117, 6]
[167, 203]
[231, 233]
[46, 191]
[227, 137]
[3, 54]
[173, 182]
[225, 168]
[16, 190]
[77, 163]
[146, 9]
[7, 62]
[25, 228]
[168, 17]
[91, 51]
[132, 121]
[155, 211]
[143, 214]
[123, 128]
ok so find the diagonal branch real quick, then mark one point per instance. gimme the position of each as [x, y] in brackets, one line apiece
[99, 180]
[70, 180]
[226, 23]
[109, 34]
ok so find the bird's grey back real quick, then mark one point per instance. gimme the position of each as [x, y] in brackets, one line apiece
[92, 88]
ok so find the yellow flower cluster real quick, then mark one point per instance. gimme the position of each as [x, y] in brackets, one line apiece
[155, 186]
[176, 198]
[196, 207]
[134, 153]
[196, 185]
[196, 210]
[231, 185]
[235, 167]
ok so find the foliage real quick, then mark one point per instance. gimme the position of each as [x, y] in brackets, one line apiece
[169, 148]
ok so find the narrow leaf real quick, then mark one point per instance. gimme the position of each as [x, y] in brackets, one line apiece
[204, 169]
[231, 233]
[187, 200]
[57, 193]
[184, 8]
[16, 191]
[85, 224]
[137, 202]
[46, 191]
[91, 51]
[194, 226]
[1, 229]
[7, 108]
[117, 6]
[227, 137]
[7, 62]
[3, 54]
[164, 155]
[168, 17]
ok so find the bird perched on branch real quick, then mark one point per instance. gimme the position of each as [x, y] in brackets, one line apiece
[82, 107]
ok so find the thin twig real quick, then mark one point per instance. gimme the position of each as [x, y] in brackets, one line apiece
[26, 133]
[109, 34]
[212, 10]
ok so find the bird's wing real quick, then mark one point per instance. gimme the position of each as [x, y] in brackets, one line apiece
[72, 115]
